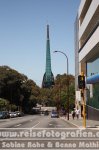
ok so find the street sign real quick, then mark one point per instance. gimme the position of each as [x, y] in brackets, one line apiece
[78, 96]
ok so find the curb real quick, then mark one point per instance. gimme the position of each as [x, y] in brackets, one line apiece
[71, 123]
[81, 127]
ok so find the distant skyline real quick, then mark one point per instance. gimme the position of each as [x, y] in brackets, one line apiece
[23, 35]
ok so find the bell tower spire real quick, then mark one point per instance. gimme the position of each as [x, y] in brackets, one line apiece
[47, 31]
[48, 78]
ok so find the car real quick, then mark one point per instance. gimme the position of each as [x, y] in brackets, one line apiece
[54, 114]
[4, 115]
[46, 113]
[19, 113]
[1, 115]
[12, 114]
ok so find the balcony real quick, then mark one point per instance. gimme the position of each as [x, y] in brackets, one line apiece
[91, 47]
[89, 22]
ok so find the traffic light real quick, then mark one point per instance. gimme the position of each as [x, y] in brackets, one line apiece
[81, 81]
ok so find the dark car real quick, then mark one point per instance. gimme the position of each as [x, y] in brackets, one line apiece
[19, 113]
[4, 115]
[54, 114]
[46, 113]
[1, 115]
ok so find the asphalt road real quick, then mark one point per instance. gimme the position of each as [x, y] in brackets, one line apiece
[34, 121]
[39, 132]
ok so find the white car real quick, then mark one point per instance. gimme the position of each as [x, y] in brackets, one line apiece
[12, 114]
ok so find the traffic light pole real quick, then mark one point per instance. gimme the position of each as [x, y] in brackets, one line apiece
[81, 85]
[84, 110]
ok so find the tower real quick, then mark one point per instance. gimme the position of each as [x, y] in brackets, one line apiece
[48, 78]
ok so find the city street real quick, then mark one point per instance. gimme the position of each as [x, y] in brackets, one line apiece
[35, 121]
[43, 132]
[49, 75]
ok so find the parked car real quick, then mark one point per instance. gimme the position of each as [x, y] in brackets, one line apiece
[15, 114]
[12, 114]
[54, 114]
[4, 115]
[19, 113]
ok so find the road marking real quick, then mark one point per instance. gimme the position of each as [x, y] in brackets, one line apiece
[60, 125]
[36, 125]
[50, 124]
[18, 125]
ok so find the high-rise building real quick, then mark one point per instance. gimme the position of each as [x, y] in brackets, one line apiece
[48, 78]
[87, 53]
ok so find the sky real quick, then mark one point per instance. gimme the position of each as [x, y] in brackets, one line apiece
[23, 35]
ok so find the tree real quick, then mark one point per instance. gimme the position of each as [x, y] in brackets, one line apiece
[60, 91]
[25, 94]
[4, 104]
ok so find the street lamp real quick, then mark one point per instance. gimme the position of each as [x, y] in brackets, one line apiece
[67, 82]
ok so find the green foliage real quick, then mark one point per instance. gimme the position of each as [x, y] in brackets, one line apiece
[17, 88]
[23, 92]
[46, 96]
[61, 91]
[12, 107]
[4, 104]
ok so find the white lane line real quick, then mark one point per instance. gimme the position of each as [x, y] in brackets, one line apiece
[36, 125]
[51, 124]
[18, 125]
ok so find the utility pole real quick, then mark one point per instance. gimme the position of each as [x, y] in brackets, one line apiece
[84, 109]
[81, 85]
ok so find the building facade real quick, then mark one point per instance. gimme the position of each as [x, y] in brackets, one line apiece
[48, 78]
[87, 54]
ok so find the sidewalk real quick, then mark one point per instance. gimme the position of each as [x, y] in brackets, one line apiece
[79, 122]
